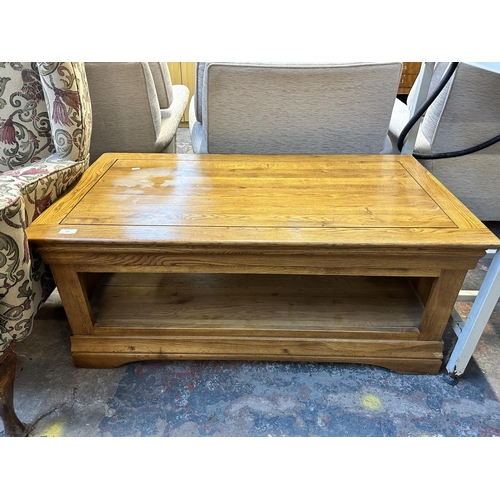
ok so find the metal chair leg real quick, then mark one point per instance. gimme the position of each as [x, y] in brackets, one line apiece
[475, 323]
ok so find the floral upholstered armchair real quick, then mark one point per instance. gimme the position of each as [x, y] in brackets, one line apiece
[45, 130]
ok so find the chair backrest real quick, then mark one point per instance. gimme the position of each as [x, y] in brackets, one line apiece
[43, 113]
[466, 112]
[258, 108]
[126, 100]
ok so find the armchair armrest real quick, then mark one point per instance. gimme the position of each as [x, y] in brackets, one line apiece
[399, 118]
[172, 116]
[25, 281]
[39, 184]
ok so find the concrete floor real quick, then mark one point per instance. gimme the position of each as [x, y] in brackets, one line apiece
[185, 398]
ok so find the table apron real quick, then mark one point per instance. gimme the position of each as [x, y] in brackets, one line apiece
[382, 263]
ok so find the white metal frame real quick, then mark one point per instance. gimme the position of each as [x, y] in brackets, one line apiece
[470, 332]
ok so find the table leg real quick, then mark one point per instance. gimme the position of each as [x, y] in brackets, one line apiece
[440, 303]
[73, 291]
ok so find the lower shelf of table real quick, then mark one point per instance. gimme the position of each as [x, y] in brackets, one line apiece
[372, 320]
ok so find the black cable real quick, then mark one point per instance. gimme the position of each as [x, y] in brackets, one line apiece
[454, 154]
[435, 156]
[418, 114]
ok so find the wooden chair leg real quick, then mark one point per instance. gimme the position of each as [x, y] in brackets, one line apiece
[12, 425]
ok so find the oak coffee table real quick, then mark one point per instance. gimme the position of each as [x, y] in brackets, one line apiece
[354, 259]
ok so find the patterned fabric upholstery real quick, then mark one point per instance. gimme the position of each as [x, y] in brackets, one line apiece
[293, 108]
[45, 128]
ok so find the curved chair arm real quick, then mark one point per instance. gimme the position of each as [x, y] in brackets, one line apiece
[172, 116]
[399, 118]
[198, 139]
[25, 281]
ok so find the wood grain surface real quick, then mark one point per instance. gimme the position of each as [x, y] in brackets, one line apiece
[300, 258]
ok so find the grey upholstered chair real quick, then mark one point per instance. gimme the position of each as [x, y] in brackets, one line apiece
[259, 108]
[465, 114]
[135, 107]
[45, 130]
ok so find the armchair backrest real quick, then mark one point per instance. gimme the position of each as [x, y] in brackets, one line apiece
[127, 98]
[465, 114]
[331, 108]
[163, 83]
[42, 113]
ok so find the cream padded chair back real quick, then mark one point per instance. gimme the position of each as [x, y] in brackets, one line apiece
[135, 107]
[465, 114]
[257, 108]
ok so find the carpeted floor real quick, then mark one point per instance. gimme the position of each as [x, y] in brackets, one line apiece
[251, 398]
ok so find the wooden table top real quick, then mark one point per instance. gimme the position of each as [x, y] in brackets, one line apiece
[316, 201]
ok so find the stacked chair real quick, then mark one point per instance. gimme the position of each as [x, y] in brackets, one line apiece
[135, 107]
